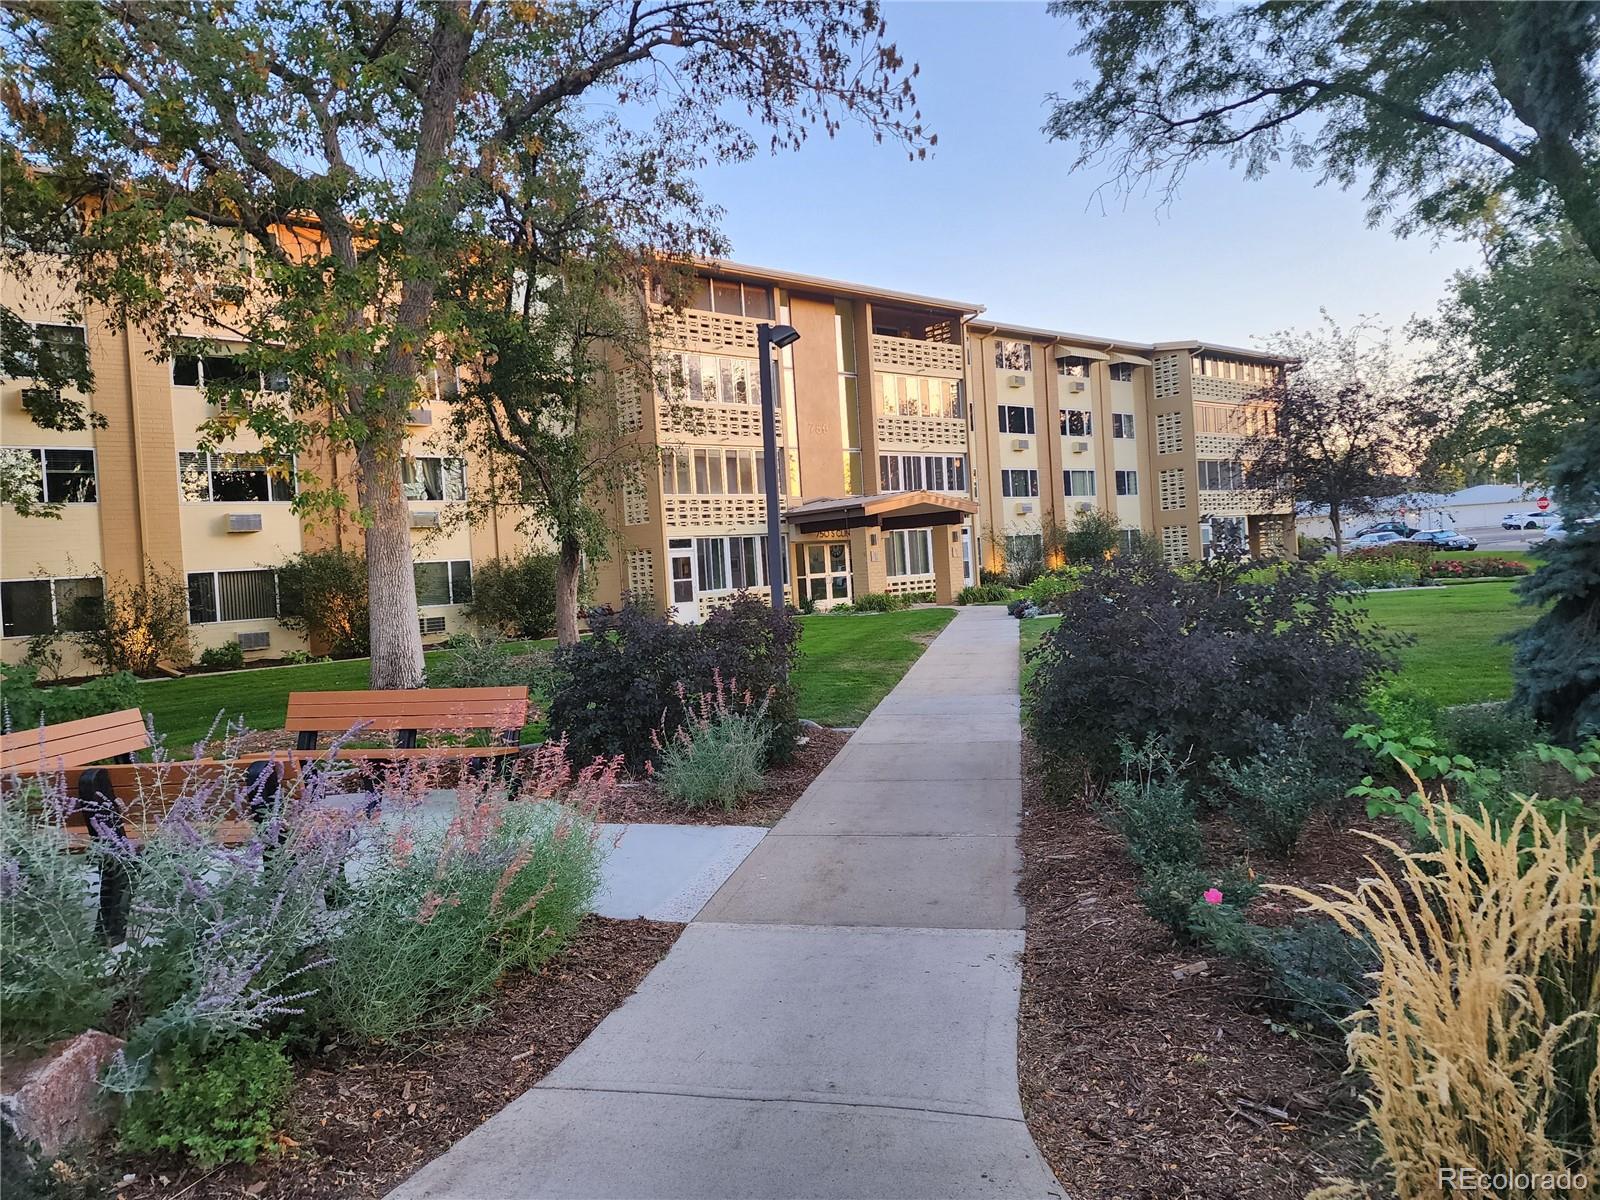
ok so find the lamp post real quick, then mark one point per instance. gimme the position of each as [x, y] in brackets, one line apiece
[768, 336]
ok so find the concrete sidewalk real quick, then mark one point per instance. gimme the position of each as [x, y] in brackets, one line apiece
[841, 1019]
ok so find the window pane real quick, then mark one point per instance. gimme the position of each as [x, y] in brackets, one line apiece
[69, 476]
[725, 297]
[80, 603]
[25, 607]
[232, 480]
[202, 598]
[433, 582]
[460, 581]
[246, 595]
[921, 552]
[714, 473]
[453, 472]
[757, 302]
[186, 370]
[700, 481]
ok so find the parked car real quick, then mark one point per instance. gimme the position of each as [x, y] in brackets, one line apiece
[1530, 520]
[1398, 528]
[1368, 541]
[1444, 539]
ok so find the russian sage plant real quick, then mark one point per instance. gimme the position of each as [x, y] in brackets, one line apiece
[715, 756]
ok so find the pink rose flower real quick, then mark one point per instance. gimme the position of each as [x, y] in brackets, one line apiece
[1212, 896]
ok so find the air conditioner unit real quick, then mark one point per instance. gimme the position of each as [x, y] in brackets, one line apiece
[1019, 443]
[424, 520]
[254, 640]
[1085, 506]
[1080, 447]
[1016, 381]
[420, 416]
[244, 522]
[1077, 385]
[1025, 508]
[431, 626]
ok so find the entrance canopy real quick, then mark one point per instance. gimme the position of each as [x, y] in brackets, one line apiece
[890, 510]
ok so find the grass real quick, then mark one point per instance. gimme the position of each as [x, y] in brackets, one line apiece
[848, 664]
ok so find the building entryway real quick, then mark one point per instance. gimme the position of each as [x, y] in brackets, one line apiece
[823, 573]
[680, 559]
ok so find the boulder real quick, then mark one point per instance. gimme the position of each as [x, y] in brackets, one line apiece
[55, 1099]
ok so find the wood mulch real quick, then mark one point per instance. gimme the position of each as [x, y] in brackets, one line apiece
[640, 801]
[1138, 1084]
[361, 1119]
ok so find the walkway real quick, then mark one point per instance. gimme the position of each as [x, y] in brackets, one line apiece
[840, 1021]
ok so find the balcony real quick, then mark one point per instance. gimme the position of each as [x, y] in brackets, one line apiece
[705, 332]
[947, 434]
[912, 356]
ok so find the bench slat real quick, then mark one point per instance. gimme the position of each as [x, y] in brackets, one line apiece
[425, 709]
[75, 743]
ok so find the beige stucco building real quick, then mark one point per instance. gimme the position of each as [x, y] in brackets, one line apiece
[919, 444]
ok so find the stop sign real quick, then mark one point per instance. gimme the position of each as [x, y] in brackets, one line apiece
[1544, 503]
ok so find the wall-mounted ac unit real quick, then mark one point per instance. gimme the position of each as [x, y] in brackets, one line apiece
[1085, 506]
[1077, 385]
[425, 520]
[244, 522]
[1020, 443]
[1024, 508]
[258, 639]
[431, 626]
[420, 416]
[1016, 380]
[1080, 447]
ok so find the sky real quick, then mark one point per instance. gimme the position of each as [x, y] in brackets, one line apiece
[997, 217]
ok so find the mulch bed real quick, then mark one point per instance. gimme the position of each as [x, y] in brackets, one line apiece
[362, 1119]
[641, 801]
[1137, 1084]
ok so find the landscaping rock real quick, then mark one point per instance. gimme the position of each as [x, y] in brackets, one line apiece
[55, 1100]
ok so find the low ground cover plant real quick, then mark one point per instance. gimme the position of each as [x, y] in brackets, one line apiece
[990, 592]
[229, 655]
[715, 757]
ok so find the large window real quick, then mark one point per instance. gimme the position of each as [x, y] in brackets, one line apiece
[919, 396]
[56, 351]
[1015, 418]
[443, 582]
[1078, 483]
[713, 379]
[204, 370]
[1024, 550]
[731, 563]
[916, 472]
[910, 552]
[431, 478]
[1073, 368]
[732, 297]
[1220, 476]
[1122, 372]
[1077, 422]
[234, 478]
[1013, 356]
[714, 471]
[31, 606]
[232, 596]
[1127, 483]
[63, 476]
[1122, 425]
[1019, 483]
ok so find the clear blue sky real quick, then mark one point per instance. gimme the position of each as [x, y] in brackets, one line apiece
[995, 216]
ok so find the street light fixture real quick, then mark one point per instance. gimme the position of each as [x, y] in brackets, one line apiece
[768, 336]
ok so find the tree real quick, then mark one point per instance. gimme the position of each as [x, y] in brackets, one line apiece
[1459, 112]
[356, 153]
[1350, 428]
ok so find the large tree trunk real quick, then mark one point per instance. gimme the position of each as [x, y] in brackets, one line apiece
[1338, 529]
[391, 583]
[568, 563]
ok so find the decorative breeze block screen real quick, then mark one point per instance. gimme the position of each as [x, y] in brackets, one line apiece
[1169, 433]
[1175, 542]
[1173, 489]
[641, 575]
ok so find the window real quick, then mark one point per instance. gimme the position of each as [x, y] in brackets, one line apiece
[1130, 540]
[1122, 425]
[1019, 483]
[1013, 356]
[432, 478]
[203, 370]
[919, 396]
[714, 471]
[56, 351]
[232, 596]
[1122, 372]
[1024, 550]
[443, 582]
[912, 472]
[909, 552]
[1078, 483]
[731, 563]
[1076, 422]
[234, 478]
[64, 476]
[1127, 483]
[1220, 476]
[1073, 368]
[732, 297]
[1015, 418]
[711, 379]
[30, 606]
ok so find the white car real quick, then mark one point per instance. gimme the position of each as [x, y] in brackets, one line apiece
[1369, 540]
[1530, 520]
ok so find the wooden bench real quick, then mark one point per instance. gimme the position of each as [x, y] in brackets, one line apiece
[500, 711]
[120, 798]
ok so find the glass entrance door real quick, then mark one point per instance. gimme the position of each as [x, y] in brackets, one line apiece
[824, 574]
[680, 557]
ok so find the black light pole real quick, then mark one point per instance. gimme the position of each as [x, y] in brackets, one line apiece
[768, 336]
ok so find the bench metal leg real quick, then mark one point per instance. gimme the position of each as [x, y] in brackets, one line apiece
[104, 812]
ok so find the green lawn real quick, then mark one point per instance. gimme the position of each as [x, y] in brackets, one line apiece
[848, 664]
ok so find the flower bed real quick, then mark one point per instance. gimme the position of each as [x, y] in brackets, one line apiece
[1476, 568]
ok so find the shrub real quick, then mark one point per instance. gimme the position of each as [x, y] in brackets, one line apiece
[1212, 664]
[1052, 585]
[1476, 568]
[877, 602]
[1489, 734]
[1151, 808]
[443, 910]
[1175, 894]
[1274, 792]
[516, 597]
[27, 705]
[479, 661]
[911, 598]
[984, 593]
[1372, 570]
[1317, 973]
[218, 1106]
[1093, 536]
[229, 654]
[1409, 711]
[1479, 1043]
[716, 756]
[323, 595]
[141, 623]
